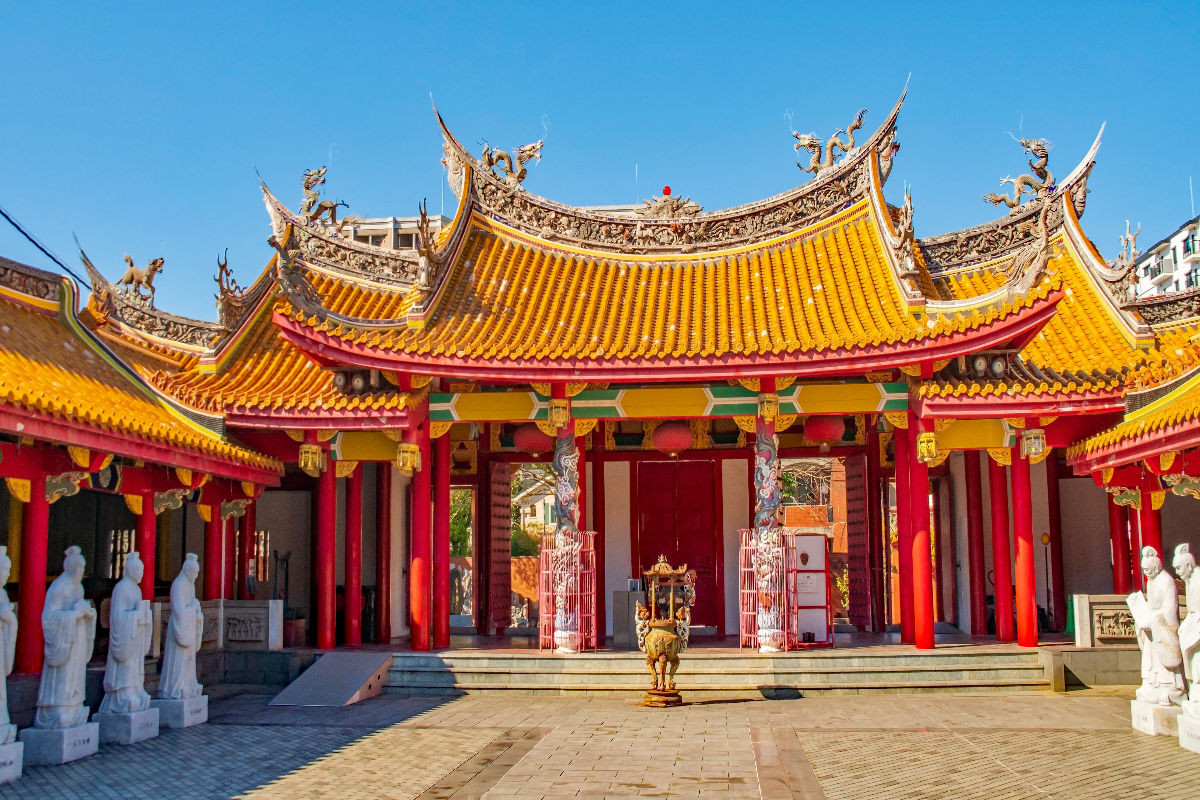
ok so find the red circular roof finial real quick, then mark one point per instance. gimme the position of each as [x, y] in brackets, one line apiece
[666, 191]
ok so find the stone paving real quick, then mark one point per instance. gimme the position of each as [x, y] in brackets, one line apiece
[1032, 745]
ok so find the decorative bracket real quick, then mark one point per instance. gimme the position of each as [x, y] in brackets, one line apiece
[64, 485]
[927, 449]
[560, 412]
[344, 469]
[1001, 455]
[169, 500]
[768, 406]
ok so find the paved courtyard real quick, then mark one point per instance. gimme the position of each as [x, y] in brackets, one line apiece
[876, 746]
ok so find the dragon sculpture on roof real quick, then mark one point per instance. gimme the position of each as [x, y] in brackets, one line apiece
[810, 142]
[314, 208]
[514, 172]
[1040, 183]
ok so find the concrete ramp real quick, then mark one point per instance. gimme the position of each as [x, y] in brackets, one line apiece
[338, 679]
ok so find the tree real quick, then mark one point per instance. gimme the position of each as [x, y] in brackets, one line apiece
[461, 508]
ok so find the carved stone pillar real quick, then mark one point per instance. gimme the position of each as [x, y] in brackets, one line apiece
[565, 558]
[768, 544]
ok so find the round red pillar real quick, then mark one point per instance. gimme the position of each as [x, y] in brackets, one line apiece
[229, 532]
[352, 624]
[598, 525]
[1027, 624]
[246, 526]
[420, 590]
[1151, 526]
[920, 544]
[31, 589]
[325, 556]
[146, 535]
[1001, 565]
[1118, 536]
[875, 542]
[976, 570]
[441, 541]
[1135, 551]
[383, 553]
[901, 445]
[214, 560]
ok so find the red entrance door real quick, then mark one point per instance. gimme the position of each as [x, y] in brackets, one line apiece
[677, 518]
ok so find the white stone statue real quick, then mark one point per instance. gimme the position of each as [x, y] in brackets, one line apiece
[130, 626]
[1189, 629]
[1156, 618]
[8, 647]
[184, 633]
[69, 627]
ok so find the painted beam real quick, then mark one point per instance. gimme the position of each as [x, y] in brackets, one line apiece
[672, 402]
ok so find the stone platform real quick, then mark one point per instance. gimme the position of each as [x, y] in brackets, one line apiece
[61, 745]
[1154, 719]
[127, 728]
[725, 673]
[12, 756]
[181, 713]
[1189, 733]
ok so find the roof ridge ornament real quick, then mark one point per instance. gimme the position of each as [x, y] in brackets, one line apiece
[313, 208]
[809, 141]
[514, 171]
[1040, 183]
[668, 206]
[231, 297]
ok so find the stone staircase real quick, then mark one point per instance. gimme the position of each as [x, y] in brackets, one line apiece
[725, 674]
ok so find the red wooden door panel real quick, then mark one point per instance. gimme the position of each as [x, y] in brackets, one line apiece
[677, 518]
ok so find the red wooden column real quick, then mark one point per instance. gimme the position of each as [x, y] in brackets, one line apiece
[229, 532]
[147, 528]
[1022, 506]
[1001, 565]
[1058, 584]
[940, 560]
[214, 559]
[919, 542]
[1118, 536]
[581, 496]
[420, 587]
[875, 541]
[383, 553]
[1151, 526]
[31, 589]
[352, 622]
[246, 526]
[976, 569]
[1135, 550]
[598, 526]
[325, 555]
[441, 541]
[902, 446]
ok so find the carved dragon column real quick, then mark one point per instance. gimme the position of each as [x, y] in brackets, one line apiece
[565, 561]
[768, 543]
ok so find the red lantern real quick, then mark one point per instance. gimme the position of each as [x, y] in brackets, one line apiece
[666, 191]
[529, 438]
[672, 437]
[824, 429]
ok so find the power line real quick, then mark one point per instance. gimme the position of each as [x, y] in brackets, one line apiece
[34, 241]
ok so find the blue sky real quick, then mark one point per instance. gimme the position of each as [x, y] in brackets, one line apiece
[139, 127]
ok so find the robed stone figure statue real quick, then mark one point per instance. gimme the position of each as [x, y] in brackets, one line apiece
[69, 628]
[130, 626]
[185, 629]
[1156, 618]
[1189, 629]
[8, 647]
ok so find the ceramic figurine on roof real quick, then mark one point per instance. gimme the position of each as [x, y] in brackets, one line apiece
[314, 208]
[810, 142]
[1040, 183]
[135, 280]
[514, 173]
[667, 206]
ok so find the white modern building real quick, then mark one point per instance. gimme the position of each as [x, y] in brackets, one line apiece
[1172, 264]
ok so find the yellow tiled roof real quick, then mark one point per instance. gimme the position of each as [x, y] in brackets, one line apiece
[48, 369]
[511, 297]
[1178, 410]
[268, 374]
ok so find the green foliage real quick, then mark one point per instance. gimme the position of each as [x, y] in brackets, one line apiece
[525, 543]
[461, 518]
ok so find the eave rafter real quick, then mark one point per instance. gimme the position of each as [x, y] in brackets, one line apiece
[326, 348]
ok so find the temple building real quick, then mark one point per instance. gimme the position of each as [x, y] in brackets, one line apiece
[992, 419]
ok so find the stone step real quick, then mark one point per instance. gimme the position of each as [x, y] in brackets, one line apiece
[549, 662]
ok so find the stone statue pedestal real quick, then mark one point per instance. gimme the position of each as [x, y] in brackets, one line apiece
[60, 745]
[11, 757]
[662, 699]
[1189, 733]
[181, 713]
[1154, 719]
[128, 727]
